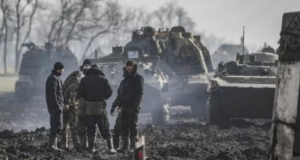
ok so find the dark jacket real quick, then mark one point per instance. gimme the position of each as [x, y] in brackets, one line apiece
[131, 90]
[54, 92]
[94, 87]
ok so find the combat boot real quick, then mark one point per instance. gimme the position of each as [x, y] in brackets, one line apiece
[64, 142]
[124, 144]
[55, 144]
[52, 144]
[116, 140]
[133, 140]
[76, 144]
[110, 146]
[91, 141]
[82, 140]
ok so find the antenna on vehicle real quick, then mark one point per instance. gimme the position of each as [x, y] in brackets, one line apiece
[243, 39]
[96, 54]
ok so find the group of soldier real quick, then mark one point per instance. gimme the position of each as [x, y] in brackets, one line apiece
[80, 103]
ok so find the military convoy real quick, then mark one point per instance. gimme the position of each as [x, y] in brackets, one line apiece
[244, 88]
[173, 67]
[36, 65]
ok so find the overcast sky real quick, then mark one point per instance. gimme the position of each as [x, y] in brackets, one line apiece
[226, 18]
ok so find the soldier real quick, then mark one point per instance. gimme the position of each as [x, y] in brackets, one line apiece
[221, 71]
[69, 116]
[130, 96]
[117, 128]
[55, 104]
[81, 125]
[95, 89]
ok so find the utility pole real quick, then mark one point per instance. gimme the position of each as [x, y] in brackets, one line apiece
[285, 141]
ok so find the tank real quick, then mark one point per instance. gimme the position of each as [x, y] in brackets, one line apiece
[172, 66]
[185, 64]
[244, 88]
[36, 65]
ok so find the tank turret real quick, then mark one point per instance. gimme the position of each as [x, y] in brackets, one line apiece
[268, 49]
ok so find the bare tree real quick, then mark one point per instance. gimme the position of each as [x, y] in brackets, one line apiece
[183, 19]
[85, 21]
[170, 14]
[111, 20]
[23, 18]
[6, 9]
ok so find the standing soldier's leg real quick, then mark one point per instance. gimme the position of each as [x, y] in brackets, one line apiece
[103, 125]
[56, 127]
[133, 121]
[81, 125]
[124, 131]
[64, 133]
[91, 131]
[81, 131]
[73, 129]
[117, 131]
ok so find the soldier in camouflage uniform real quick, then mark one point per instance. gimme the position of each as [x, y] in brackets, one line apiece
[74, 117]
[69, 116]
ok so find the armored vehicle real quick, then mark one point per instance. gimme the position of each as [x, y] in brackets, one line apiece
[189, 81]
[206, 55]
[227, 52]
[173, 68]
[244, 88]
[36, 65]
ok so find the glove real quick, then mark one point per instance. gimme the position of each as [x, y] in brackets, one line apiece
[112, 111]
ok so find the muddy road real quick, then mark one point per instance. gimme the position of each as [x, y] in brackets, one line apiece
[24, 134]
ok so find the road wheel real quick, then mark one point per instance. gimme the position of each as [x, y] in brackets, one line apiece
[158, 117]
[199, 105]
[23, 94]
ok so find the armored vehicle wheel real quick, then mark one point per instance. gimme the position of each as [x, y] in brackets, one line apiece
[215, 112]
[23, 94]
[199, 105]
[158, 117]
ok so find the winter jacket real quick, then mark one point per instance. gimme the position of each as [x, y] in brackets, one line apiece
[94, 87]
[54, 92]
[131, 90]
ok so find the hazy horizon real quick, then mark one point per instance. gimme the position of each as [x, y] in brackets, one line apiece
[226, 18]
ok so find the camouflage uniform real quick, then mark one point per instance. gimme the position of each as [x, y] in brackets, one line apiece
[69, 117]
